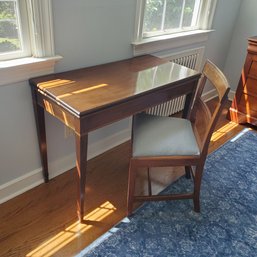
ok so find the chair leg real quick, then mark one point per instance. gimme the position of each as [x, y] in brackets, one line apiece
[197, 187]
[188, 172]
[131, 187]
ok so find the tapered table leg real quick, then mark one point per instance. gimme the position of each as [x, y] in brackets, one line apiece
[81, 163]
[41, 133]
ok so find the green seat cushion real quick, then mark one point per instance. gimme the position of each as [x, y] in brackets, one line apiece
[163, 136]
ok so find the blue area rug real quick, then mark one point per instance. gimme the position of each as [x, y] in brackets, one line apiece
[226, 226]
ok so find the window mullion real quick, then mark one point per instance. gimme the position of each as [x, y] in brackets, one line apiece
[17, 14]
[182, 14]
[163, 15]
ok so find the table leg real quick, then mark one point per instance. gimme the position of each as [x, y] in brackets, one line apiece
[41, 133]
[81, 163]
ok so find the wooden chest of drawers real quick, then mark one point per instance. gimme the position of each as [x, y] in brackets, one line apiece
[244, 105]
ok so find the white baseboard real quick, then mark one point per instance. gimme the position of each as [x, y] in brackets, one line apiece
[20, 185]
[212, 94]
[34, 178]
[209, 95]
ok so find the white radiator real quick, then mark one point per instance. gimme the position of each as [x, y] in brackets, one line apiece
[190, 58]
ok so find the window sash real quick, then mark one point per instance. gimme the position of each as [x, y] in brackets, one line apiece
[203, 20]
[180, 28]
[24, 36]
[37, 31]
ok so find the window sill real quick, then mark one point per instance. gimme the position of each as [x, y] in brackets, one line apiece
[165, 42]
[25, 68]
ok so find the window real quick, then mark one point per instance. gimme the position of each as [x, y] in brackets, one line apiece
[25, 29]
[26, 40]
[14, 35]
[167, 17]
[170, 16]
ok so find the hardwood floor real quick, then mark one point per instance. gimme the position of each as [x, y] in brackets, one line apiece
[43, 221]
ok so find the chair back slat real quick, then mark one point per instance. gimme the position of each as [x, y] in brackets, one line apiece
[216, 77]
[203, 120]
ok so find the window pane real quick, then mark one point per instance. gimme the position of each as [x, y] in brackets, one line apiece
[153, 15]
[9, 27]
[173, 14]
[191, 7]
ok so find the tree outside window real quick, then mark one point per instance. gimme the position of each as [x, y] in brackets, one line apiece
[170, 16]
[9, 27]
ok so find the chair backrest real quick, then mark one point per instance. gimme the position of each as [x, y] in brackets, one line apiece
[203, 120]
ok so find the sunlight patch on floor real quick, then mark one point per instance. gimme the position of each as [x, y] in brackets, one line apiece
[218, 134]
[66, 236]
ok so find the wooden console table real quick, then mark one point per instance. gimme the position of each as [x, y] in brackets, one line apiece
[90, 98]
[244, 105]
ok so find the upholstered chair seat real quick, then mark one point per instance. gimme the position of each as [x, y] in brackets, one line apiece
[160, 136]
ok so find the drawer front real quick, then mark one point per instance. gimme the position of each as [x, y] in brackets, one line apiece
[253, 69]
[250, 87]
[248, 104]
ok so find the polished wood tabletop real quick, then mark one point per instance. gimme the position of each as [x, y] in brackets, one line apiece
[89, 98]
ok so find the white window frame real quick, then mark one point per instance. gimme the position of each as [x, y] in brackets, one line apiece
[159, 42]
[43, 58]
[41, 27]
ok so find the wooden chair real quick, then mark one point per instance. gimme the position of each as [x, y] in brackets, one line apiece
[169, 141]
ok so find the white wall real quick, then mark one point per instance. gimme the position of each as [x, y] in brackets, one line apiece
[93, 31]
[246, 26]
[87, 32]
[18, 151]
[224, 21]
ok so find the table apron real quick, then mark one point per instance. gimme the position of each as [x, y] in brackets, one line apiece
[132, 106]
[70, 120]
